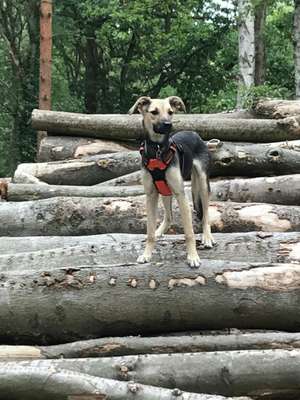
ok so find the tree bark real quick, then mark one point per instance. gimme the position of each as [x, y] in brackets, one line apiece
[58, 148]
[82, 216]
[122, 127]
[169, 344]
[88, 171]
[228, 159]
[134, 178]
[232, 373]
[260, 14]
[116, 249]
[284, 189]
[297, 48]
[246, 49]
[19, 383]
[277, 108]
[68, 304]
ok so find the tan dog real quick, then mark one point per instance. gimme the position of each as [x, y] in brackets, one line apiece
[166, 163]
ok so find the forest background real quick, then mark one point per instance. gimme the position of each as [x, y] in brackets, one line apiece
[107, 53]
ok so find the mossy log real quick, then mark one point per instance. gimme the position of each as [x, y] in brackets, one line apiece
[66, 303]
[89, 215]
[232, 373]
[124, 127]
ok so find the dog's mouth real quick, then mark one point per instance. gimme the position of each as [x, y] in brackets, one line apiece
[163, 128]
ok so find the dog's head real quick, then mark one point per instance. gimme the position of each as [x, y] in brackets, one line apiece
[158, 115]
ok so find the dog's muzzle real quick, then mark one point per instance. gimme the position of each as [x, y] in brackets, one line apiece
[163, 128]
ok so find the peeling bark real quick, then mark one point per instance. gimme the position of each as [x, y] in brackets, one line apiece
[124, 127]
[233, 373]
[83, 216]
[66, 303]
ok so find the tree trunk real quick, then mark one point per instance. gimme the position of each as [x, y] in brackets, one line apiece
[260, 13]
[123, 127]
[283, 189]
[97, 300]
[116, 249]
[82, 216]
[228, 159]
[246, 49]
[87, 171]
[232, 373]
[19, 383]
[297, 47]
[58, 148]
[277, 108]
[175, 343]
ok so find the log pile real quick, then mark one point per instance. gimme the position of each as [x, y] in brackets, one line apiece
[81, 319]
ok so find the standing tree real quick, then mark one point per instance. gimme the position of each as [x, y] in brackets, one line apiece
[297, 47]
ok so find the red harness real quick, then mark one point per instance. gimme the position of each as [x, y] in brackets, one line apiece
[157, 168]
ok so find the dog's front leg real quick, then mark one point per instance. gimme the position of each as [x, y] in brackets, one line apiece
[151, 209]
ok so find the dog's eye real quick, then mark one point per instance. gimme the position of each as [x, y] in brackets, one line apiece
[170, 112]
[154, 112]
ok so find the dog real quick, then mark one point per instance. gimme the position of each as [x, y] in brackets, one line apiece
[166, 162]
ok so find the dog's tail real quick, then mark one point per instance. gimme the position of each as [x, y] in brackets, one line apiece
[200, 187]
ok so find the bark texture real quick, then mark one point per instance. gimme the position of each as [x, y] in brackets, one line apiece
[58, 148]
[222, 373]
[277, 108]
[87, 171]
[35, 255]
[19, 383]
[297, 47]
[228, 159]
[124, 127]
[83, 216]
[136, 345]
[97, 300]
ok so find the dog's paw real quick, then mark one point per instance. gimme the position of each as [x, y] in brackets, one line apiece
[194, 261]
[208, 241]
[143, 258]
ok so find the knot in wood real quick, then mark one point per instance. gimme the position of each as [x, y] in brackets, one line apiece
[176, 392]
[133, 387]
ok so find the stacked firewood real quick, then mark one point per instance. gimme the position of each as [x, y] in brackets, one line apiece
[79, 318]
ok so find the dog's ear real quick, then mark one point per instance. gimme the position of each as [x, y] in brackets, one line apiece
[140, 105]
[177, 103]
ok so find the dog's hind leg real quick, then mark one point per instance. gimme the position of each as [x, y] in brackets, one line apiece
[166, 223]
[200, 192]
[151, 209]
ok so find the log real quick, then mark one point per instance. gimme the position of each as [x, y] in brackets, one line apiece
[228, 159]
[37, 191]
[87, 171]
[232, 373]
[277, 108]
[169, 344]
[58, 148]
[134, 178]
[21, 383]
[124, 127]
[48, 251]
[255, 247]
[87, 216]
[98, 300]
[284, 189]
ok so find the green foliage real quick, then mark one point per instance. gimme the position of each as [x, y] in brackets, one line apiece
[251, 95]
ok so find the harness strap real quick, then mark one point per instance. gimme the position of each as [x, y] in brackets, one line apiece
[157, 168]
